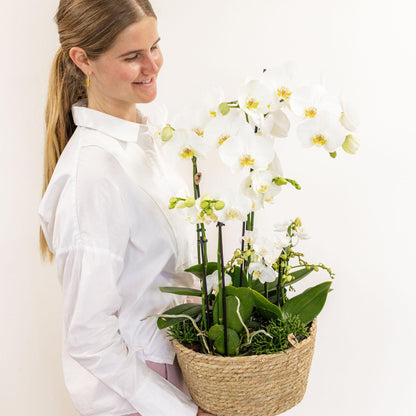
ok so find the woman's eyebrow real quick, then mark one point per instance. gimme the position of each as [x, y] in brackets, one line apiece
[137, 50]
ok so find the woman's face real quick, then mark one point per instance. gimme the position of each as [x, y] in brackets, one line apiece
[126, 73]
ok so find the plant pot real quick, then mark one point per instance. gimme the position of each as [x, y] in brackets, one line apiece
[255, 385]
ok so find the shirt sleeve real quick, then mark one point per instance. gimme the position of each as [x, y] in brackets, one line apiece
[90, 270]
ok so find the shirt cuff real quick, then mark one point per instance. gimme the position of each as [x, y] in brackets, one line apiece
[159, 397]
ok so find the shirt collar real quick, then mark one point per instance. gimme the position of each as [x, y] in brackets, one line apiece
[118, 128]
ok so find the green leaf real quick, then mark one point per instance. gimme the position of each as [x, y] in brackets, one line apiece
[233, 342]
[191, 309]
[185, 291]
[235, 276]
[197, 269]
[233, 321]
[215, 331]
[308, 304]
[298, 275]
[264, 307]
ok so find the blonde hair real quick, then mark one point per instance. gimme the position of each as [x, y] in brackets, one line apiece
[92, 25]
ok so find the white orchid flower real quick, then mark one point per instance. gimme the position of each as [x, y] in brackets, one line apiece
[267, 249]
[221, 128]
[212, 100]
[256, 99]
[282, 241]
[262, 272]
[283, 83]
[158, 122]
[246, 149]
[282, 226]
[184, 145]
[276, 124]
[324, 131]
[237, 207]
[349, 117]
[212, 281]
[194, 119]
[309, 101]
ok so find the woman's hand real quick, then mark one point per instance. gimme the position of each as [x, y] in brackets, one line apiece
[202, 413]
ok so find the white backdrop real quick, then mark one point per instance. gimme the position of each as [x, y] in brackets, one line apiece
[358, 210]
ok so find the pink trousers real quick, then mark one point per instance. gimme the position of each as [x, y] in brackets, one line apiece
[170, 372]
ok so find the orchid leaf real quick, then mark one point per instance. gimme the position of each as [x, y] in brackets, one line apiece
[190, 309]
[185, 291]
[264, 307]
[309, 303]
[235, 276]
[198, 271]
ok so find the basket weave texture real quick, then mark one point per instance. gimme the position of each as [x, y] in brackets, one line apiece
[255, 385]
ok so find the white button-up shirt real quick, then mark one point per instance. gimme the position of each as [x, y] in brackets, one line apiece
[105, 217]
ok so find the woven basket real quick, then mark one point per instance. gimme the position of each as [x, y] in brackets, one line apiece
[255, 385]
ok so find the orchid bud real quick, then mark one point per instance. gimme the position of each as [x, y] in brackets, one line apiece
[209, 211]
[190, 202]
[167, 133]
[205, 197]
[224, 108]
[219, 205]
[181, 205]
[204, 204]
[333, 155]
[279, 181]
[316, 268]
[298, 222]
[351, 144]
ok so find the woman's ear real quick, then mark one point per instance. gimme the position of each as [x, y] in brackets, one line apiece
[80, 59]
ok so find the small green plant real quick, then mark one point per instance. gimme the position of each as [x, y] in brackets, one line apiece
[279, 329]
[184, 332]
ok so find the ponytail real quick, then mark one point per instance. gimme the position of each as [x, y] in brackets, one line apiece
[66, 86]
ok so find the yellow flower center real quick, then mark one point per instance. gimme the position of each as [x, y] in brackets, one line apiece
[252, 104]
[232, 213]
[187, 153]
[213, 113]
[200, 133]
[222, 139]
[319, 140]
[311, 112]
[263, 188]
[257, 274]
[284, 93]
[246, 160]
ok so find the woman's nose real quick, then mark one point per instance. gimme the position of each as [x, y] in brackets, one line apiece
[151, 66]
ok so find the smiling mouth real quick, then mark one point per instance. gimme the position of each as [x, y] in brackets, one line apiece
[147, 82]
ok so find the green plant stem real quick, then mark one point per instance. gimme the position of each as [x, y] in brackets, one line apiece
[205, 305]
[196, 196]
[279, 282]
[242, 250]
[221, 285]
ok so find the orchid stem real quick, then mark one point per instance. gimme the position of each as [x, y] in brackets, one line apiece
[242, 250]
[221, 286]
[205, 304]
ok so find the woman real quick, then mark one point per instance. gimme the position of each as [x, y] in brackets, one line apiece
[103, 213]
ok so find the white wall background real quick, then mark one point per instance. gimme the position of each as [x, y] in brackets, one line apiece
[359, 210]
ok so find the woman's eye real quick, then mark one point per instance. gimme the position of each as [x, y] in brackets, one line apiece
[132, 58]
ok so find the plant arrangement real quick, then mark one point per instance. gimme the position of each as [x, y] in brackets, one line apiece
[246, 305]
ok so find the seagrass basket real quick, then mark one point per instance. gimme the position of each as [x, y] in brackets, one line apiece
[255, 385]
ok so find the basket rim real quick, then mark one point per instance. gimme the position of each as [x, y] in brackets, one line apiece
[292, 350]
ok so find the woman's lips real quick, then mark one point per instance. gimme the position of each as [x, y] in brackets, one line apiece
[145, 83]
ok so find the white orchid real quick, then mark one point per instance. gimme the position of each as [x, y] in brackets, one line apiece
[349, 117]
[247, 149]
[282, 226]
[184, 145]
[221, 128]
[212, 100]
[308, 101]
[262, 272]
[260, 187]
[276, 124]
[237, 207]
[159, 121]
[267, 249]
[212, 281]
[324, 131]
[203, 212]
[283, 83]
[256, 99]
[193, 119]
